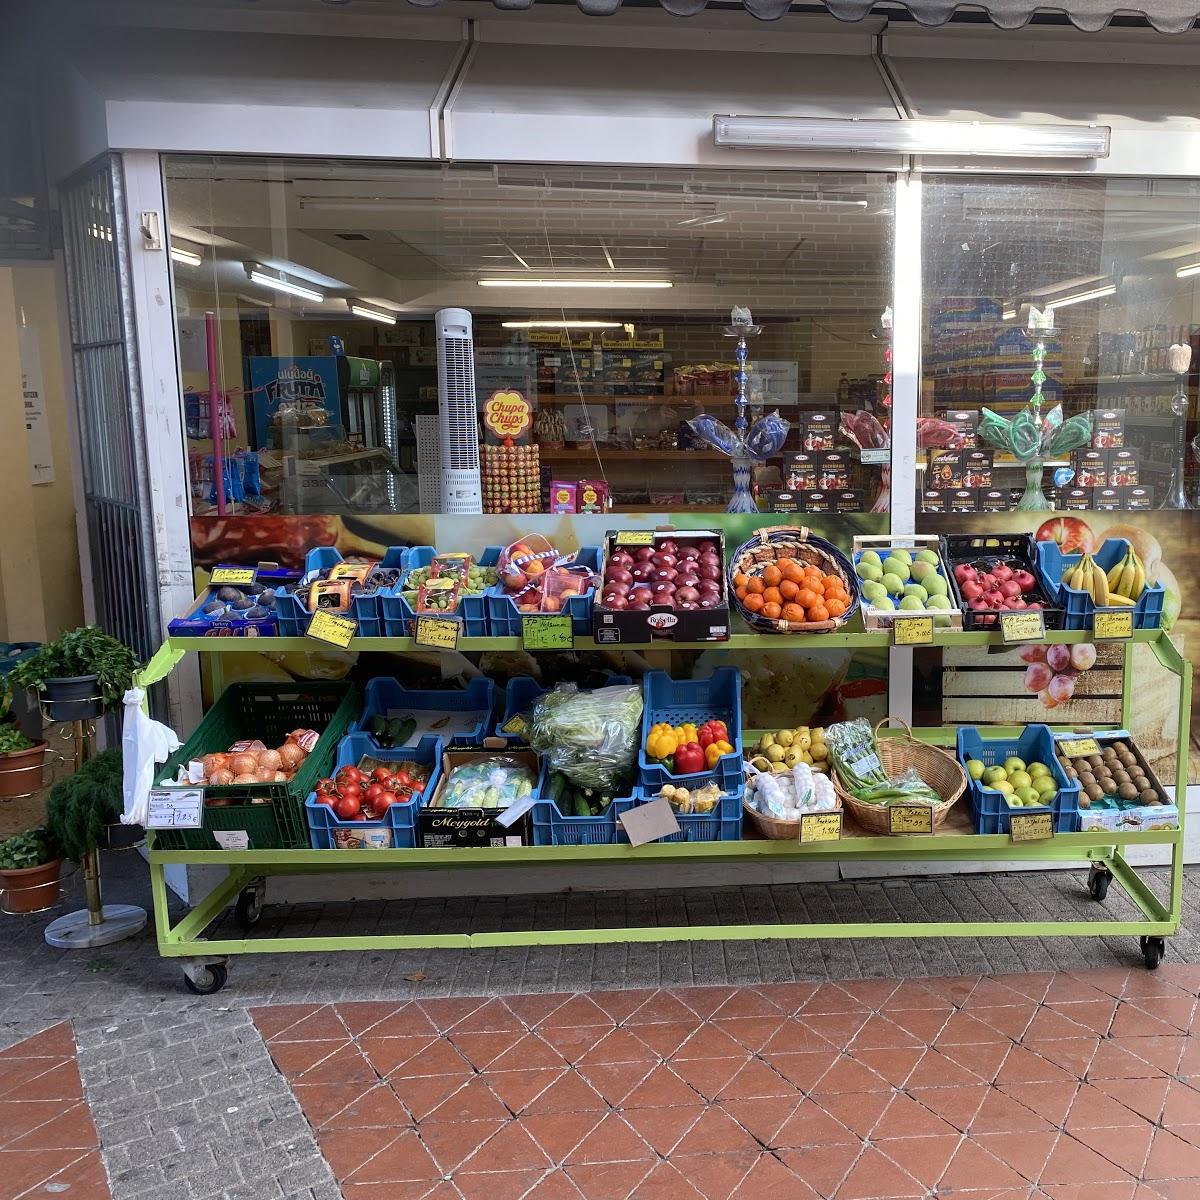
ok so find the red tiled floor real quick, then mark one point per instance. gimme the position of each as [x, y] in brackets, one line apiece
[48, 1141]
[1076, 1086]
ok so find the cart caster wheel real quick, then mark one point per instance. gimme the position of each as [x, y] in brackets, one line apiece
[1098, 880]
[206, 980]
[1153, 949]
[249, 907]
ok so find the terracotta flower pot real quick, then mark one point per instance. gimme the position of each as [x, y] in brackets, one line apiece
[21, 770]
[30, 890]
[73, 699]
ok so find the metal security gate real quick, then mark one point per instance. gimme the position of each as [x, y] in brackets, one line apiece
[108, 395]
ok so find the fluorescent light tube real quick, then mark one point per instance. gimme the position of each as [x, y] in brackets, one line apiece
[1188, 271]
[280, 284]
[1008, 314]
[372, 314]
[562, 324]
[525, 282]
[1080, 297]
[969, 138]
[189, 258]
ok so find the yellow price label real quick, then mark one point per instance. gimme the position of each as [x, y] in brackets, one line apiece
[515, 726]
[1023, 626]
[233, 575]
[820, 827]
[912, 631]
[547, 633]
[439, 633]
[910, 819]
[1078, 747]
[1112, 624]
[331, 628]
[634, 537]
[1032, 827]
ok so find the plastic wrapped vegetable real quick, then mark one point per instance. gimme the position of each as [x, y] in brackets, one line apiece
[591, 737]
[487, 783]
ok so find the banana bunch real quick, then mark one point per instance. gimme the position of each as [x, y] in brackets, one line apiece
[1127, 579]
[1085, 576]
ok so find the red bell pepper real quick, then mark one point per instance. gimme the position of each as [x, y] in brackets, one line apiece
[689, 758]
[712, 731]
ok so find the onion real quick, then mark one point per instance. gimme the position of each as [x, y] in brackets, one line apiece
[280, 777]
[291, 756]
[265, 775]
[269, 760]
[248, 777]
[222, 777]
[244, 763]
[214, 762]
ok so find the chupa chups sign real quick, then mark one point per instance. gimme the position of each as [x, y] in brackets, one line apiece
[507, 416]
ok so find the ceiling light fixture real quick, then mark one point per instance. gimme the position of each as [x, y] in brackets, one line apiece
[710, 219]
[561, 324]
[189, 258]
[280, 283]
[359, 309]
[1080, 297]
[1008, 314]
[577, 283]
[968, 138]
[1188, 271]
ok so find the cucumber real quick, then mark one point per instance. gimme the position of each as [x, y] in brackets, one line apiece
[581, 806]
[377, 726]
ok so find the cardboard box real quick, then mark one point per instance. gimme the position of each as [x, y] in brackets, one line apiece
[456, 828]
[819, 429]
[964, 500]
[563, 496]
[1107, 499]
[613, 627]
[800, 472]
[1074, 499]
[833, 470]
[977, 468]
[1123, 468]
[591, 496]
[1139, 499]
[849, 500]
[945, 470]
[817, 502]
[1108, 428]
[965, 422]
[993, 500]
[935, 502]
[1090, 467]
[783, 502]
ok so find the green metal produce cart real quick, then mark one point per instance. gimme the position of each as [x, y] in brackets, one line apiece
[205, 961]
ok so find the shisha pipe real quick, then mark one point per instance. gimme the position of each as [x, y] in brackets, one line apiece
[1179, 359]
[741, 327]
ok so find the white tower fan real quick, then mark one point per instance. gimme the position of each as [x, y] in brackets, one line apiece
[457, 423]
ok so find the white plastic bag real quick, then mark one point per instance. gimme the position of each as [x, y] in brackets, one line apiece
[144, 745]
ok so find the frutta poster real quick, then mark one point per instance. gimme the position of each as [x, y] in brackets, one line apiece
[781, 688]
[1078, 686]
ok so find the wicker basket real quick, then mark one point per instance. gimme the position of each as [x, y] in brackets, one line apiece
[939, 769]
[772, 827]
[774, 542]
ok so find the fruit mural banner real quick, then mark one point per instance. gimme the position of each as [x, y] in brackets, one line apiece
[780, 688]
[1080, 685]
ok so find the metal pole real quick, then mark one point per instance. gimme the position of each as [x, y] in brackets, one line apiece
[214, 409]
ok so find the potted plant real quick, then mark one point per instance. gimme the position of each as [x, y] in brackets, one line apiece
[21, 762]
[29, 866]
[81, 674]
[83, 806]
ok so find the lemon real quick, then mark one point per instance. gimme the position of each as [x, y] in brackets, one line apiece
[775, 753]
[819, 752]
[784, 738]
[766, 741]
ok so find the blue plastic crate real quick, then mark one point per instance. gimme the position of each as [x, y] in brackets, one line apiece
[398, 614]
[1079, 608]
[291, 612]
[676, 701]
[505, 618]
[989, 809]
[401, 820]
[552, 828]
[723, 824]
[479, 696]
[522, 691]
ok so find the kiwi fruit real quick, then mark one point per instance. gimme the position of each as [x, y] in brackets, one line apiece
[1086, 778]
[1094, 761]
[1121, 777]
[1108, 752]
[1150, 796]
[1095, 791]
[1127, 791]
[1141, 782]
[1109, 787]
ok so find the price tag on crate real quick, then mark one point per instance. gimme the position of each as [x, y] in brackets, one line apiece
[233, 575]
[910, 819]
[232, 839]
[1022, 627]
[440, 633]
[331, 628]
[1113, 625]
[547, 633]
[1079, 747]
[820, 827]
[1031, 827]
[875, 456]
[649, 822]
[634, 537]
[175, 808]
[516, 726]
[912, 631]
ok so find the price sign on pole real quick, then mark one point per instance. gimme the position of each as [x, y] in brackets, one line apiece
[439, 633]
[1022, 627]
[1113, 625]
[912, 631]
[331, 628]
[547, 633]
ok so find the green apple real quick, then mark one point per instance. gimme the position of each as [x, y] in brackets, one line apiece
[869, 556]
[927, 556]
[1020, 779]
[869, 571]
[1005, 787]
[1028, 796]
[1014, 764]
[896, 566]
[975, 768]
[893, 583]
[1045, 786]
[994, 775]
[1035, 769]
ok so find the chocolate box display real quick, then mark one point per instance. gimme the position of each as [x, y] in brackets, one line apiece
[1074, 499]
[963, 500]
[783, 502]
[965, 422]
[668, 585]
[849, 500]
[994, 500]
[833, 470]
[935, 502]
[236, 610]
[1107, 499]
[800, 472]
[945, 470]
[1139, 499]
[817, 502]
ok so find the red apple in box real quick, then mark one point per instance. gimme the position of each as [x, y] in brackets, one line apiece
[665, 575]
[664, 559]
[686, 595]
[640, 596]
[614, 600]
[620, 558]
[644, 553]
[668, 547]
[687, 578]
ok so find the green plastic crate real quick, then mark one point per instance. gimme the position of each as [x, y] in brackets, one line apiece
[271, 814]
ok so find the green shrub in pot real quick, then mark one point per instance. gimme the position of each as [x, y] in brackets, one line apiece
[21, 762]
[33, 848]
[13, 741]
[81, 807]
[83, 672]
[29, 867]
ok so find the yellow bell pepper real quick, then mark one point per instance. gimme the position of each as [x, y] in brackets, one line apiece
[661, 741]
[714, 750]
[686, 733]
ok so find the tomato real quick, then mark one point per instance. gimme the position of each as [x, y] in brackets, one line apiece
[349, 775]
[350, 791]
[402, 776]
[381, 775]
[384, 801]
[374, 792]
[347, 808]
[326, 787]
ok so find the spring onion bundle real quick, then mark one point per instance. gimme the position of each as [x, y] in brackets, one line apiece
[855, 755]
